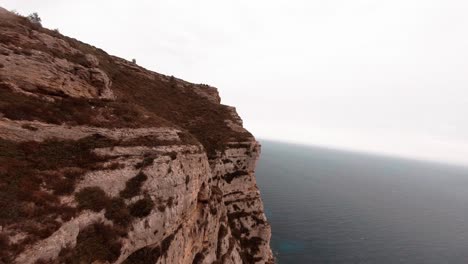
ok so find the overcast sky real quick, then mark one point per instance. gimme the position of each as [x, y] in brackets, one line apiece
[379, 76]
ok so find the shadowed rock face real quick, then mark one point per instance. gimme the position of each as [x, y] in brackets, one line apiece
[102, 161]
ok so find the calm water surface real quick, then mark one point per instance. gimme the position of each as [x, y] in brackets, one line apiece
[327, 206]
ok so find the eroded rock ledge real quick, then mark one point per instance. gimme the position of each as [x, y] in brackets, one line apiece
[102, 161]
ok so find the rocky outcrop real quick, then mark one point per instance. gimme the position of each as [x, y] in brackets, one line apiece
[102, 161]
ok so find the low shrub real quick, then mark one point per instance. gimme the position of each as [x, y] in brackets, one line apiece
[161, 207]
[72, 111]
[21, 176]
[53, 154]
[34, 18]
[142, 208]
[133, 186]
[4, 241]
[42, 230]
[5, 256]
[92, 198]
[97, 242]
[146, 255]
[63, 187]
[118, 212]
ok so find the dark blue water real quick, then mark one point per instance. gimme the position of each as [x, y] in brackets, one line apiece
[327, 206]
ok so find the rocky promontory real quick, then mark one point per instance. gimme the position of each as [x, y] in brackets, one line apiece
[103, 161]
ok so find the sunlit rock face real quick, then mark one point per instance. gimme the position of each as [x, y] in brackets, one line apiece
[102, 161]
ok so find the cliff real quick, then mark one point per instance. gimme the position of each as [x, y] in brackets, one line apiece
[103, 161]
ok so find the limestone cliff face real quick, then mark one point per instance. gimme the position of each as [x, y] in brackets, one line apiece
[102, 161]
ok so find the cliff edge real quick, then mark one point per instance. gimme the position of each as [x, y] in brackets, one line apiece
[103, 161]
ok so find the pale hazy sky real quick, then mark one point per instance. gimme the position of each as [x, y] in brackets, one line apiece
[379, 76]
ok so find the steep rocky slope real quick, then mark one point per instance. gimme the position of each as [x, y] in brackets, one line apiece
[102, 161]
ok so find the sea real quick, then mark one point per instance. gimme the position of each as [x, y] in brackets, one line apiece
[332, 206]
